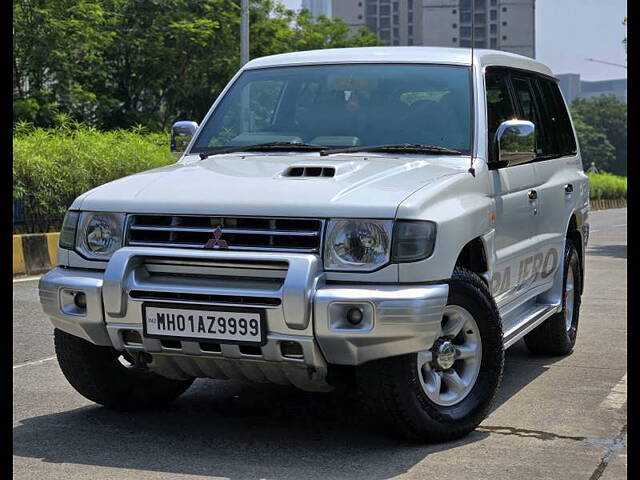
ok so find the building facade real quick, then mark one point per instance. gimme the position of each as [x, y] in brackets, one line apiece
[318, 7]
[573, 87]
[507, 25]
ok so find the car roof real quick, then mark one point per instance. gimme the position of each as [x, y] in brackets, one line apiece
[438, 55]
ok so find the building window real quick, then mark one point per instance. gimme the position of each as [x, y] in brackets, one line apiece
[359, 17]
[465, 32]
[372, 9]
[454, 11]
[410, 17]
[465, 43]
[359, 4]
[493, 15]
[504, 37]
[504, 24]
[504, 9]
[493, 28]
[455, 25]
[410, 42]
[395, 7]
[465, 17]
[494, 43]
[385, 10]
[384, 35]
[384, 22]
[396, 19]
[410, 4]
[454, 40]
[396, 32]
[494, 2]
[410, 30]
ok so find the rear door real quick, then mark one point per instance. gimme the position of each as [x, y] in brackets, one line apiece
[562, 182]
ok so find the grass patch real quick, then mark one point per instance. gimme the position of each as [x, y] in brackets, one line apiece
[607, 186]
[51, 167]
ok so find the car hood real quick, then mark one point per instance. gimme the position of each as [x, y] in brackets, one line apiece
[370, 186]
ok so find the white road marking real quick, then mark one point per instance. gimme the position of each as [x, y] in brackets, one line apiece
[34, 362]
[612, 226]
[618, 395]
[27, 279]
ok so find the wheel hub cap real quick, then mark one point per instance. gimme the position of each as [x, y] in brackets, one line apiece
[444, 354]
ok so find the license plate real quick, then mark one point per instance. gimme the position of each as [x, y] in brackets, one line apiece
[219, 324]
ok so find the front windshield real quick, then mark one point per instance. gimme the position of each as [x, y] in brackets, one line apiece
[344, 106]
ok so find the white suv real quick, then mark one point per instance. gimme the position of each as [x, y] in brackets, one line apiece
[389, 219]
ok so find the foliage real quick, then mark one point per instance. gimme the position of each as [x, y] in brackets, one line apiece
[51, 167]
[119, 63]
[606, 115]
[607, 186]
[595, 148]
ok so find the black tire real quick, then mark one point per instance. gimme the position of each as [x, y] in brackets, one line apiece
[97, 374]
[391, 388]
[551, 337]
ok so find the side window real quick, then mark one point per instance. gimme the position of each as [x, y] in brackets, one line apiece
[499, 105]
[529, 111]
[558, 117]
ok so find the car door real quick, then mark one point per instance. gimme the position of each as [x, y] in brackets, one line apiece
[562, 183]
[511, 189]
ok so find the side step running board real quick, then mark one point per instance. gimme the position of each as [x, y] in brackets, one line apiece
[530, 320]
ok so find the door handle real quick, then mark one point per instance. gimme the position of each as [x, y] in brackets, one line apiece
[568, 188]
[533, 194]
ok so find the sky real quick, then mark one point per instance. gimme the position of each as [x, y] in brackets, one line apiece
[569, 31]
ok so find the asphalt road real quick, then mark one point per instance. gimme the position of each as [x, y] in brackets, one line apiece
[555, 418]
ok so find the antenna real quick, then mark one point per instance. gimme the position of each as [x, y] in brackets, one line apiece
[472, 170]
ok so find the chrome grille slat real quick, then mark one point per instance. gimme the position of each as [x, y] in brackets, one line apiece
[262, 234]
[226, 230]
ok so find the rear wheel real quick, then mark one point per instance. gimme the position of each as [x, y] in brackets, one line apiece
[444, 392]
[557, 335]
[112, 378]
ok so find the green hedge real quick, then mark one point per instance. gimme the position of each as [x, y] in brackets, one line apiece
[51, 167]
[607, 186]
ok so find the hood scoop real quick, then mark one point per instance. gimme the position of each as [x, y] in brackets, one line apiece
[310, 172]
[321, 170]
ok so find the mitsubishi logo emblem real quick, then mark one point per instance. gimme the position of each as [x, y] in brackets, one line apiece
[215, 241]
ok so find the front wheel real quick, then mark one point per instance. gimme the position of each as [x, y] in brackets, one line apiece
[111, 378]
[444, 392]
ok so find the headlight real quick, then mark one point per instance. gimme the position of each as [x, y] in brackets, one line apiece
[100, 234]
[362, 245]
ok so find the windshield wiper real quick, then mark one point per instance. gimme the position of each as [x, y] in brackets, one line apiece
[264, 146]
[394, 147]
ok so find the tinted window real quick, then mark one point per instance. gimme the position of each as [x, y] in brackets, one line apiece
[523, 89]
[557, 117]
[344, 105]
[499, 105]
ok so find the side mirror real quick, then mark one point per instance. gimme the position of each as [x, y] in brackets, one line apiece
[515, 143]
[181, 134]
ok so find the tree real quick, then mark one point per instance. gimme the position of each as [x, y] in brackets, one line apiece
[607, 115]
[594, 147]
[119, 63]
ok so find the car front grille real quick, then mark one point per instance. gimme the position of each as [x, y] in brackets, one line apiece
[236, 233]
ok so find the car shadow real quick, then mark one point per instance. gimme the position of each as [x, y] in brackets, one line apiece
[244, 432]
[615, 251]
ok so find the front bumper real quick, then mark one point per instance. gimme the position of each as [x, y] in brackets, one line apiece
[300, 307]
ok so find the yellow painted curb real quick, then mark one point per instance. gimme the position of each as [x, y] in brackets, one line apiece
[52, 245]
[18, 255]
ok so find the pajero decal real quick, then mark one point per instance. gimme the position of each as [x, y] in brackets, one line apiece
[543, 264]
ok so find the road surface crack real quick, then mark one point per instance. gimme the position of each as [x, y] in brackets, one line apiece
[523, 432]
[612, 448]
